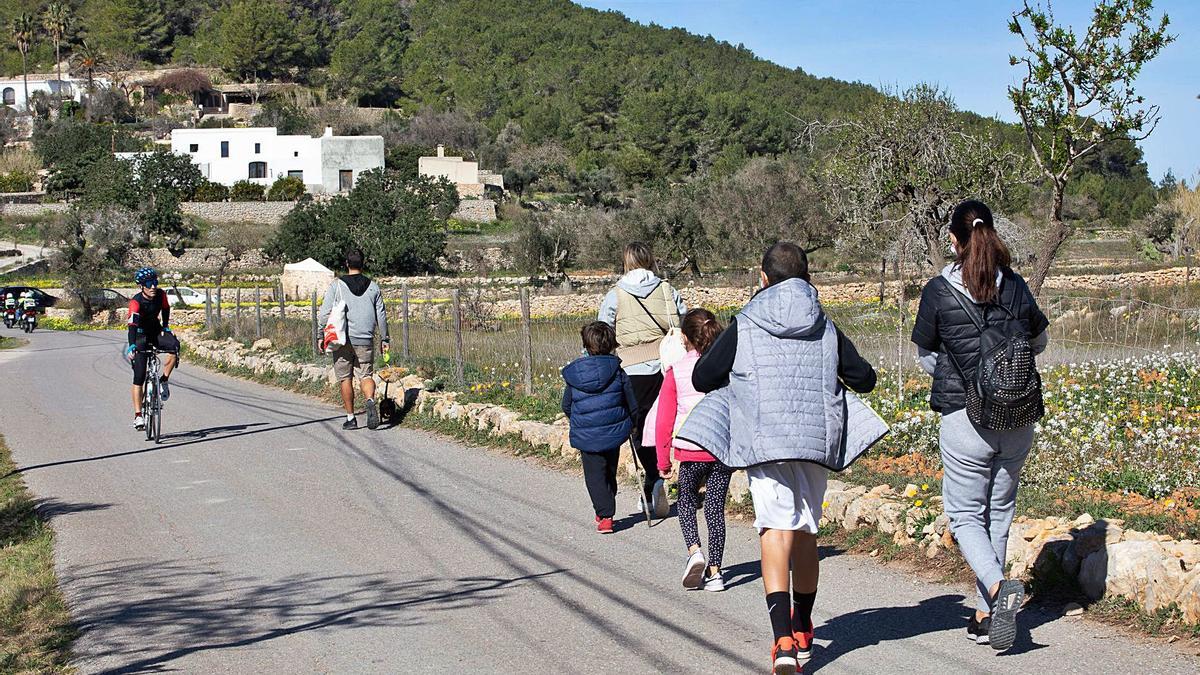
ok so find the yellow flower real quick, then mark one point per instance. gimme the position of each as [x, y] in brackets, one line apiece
[824, 505]
[924, 486]
[504, 383]
[919, 502]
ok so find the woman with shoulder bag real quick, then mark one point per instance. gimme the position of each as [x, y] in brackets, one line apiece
[643, 309]
[977, 330]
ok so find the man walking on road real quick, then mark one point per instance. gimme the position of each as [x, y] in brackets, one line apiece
[364, 314]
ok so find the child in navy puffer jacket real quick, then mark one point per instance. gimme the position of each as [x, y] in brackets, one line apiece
[600, 403]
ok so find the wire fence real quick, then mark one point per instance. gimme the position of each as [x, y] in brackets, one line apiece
[472, 338]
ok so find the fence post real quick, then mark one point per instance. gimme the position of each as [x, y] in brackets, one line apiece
[282, 303]
[316, 335]
[208, 309]
[257, 313]
[237, 312]
[218, 304]
[526, 343]
[459, 377]
[404, 323]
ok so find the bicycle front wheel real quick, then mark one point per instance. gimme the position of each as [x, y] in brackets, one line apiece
[158, 424]
[148, 411]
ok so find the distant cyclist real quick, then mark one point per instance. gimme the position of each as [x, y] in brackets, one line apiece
[149, 314]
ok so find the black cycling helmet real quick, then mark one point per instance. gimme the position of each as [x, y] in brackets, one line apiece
[147, 277]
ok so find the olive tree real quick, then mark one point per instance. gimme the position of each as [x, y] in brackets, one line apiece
[1077, 94]
[894, 173]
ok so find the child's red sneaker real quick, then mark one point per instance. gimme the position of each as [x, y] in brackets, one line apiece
[783, 657]
[604, 525]
[804, 640]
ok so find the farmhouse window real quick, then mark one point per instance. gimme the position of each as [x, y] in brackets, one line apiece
[345, 180]
[296, 174]
[193, 147]
[224, 148]
[10, 96]
[258, 169]
[258, 148]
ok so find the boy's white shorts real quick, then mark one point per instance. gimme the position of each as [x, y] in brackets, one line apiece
[787, 495]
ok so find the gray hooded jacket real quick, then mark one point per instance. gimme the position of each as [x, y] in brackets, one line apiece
[784, 401]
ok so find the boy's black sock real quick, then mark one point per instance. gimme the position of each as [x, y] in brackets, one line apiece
[802, 604]
[779, 606]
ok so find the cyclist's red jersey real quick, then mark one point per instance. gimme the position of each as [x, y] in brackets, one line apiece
[148, 316]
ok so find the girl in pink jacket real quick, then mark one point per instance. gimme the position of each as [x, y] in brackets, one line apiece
[696, 467]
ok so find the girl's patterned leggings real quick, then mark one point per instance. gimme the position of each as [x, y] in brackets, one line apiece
[714, 476]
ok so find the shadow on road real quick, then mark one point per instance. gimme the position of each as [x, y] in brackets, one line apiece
[866, 627]
[52, 508]
[153, 612]
[211, 431]
[171, 446]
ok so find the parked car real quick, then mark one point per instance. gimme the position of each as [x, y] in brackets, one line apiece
[43, 298]
[107, 298]
[184, 295]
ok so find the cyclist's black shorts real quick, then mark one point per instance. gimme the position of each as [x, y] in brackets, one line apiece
[166, 342]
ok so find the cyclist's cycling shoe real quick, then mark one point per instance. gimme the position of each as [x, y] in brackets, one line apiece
[163, 389]
[139, 422]
[351, 423]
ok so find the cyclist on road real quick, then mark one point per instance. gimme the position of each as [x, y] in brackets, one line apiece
[149, 313]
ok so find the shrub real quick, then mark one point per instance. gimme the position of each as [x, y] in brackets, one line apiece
[245, 191]
[209, 191]
[17, 181]
[400, 224]
[286, 189]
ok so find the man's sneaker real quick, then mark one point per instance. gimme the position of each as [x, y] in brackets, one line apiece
[977, 631]
[659, 505]
[351, 423]
[164, 391]
[372, 414]
[1003, 631]
[714, 583]
[139, 423]
[693, 570]
[783, 657]
[604, 526]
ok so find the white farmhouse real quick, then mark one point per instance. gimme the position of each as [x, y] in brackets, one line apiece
[466, 176]
[326, 164]
[12, 89]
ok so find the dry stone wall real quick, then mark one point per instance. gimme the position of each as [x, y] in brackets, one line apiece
[194, 259]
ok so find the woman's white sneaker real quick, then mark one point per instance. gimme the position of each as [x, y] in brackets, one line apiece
[714, 583]
[693, 571]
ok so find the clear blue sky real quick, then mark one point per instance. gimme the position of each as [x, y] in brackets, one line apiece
[962, 45]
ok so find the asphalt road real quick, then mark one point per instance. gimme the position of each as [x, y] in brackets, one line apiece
[259, 537]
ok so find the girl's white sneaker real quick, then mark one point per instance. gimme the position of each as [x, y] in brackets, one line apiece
[693, 571]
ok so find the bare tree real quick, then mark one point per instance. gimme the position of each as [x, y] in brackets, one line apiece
[897, 170]
[236, 240]
[1078, 93]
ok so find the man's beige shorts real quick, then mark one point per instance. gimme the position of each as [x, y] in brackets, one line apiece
[357, 361]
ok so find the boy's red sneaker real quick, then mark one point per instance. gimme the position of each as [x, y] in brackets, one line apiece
[784, 656]
[604, 525]
[804, 640]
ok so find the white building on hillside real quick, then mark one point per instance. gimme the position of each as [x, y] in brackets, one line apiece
[326, 164]
[466, 176]
[12, 89]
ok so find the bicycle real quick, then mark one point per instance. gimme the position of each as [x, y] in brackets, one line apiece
[151, 397]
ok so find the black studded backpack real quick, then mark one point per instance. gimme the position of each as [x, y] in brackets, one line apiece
[1006, 392]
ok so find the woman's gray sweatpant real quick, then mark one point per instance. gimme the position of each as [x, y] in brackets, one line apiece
[979, 491]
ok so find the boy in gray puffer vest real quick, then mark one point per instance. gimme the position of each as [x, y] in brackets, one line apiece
[783, 363]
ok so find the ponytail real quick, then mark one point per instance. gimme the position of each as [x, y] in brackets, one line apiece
[701, 328]
[981, 253]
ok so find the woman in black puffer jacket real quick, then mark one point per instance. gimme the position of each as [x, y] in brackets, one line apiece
[981, 466]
